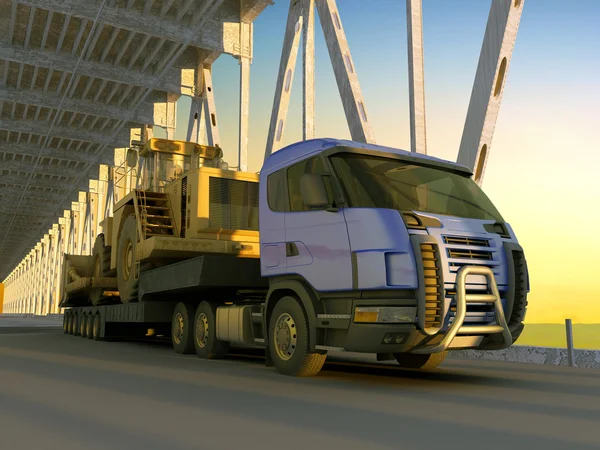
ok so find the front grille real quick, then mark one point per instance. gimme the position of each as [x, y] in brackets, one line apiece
[469, 254]
[459, 240]
[520, 302]
[477, 313]
[432, 283]
[233, 204]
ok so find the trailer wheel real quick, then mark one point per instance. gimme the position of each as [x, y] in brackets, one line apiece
[182, 329]
[75, 328]
[66, 323]
[205, 333]
[99, 268]
[420, 361]
[288, 341]
[83, 326]
[126, 281]
[70, 323]
[89, 326]
[97, 327]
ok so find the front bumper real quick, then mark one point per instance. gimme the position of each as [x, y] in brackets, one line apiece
[369, 338]
[462, 299]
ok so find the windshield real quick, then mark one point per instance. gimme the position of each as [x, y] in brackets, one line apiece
[376, 182]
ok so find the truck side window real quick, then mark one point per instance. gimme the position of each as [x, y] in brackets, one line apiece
[276, 192]
[295, 172]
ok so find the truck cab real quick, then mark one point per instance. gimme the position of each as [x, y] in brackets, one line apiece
[394, 253]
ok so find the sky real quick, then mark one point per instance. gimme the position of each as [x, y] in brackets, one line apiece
[543, 171]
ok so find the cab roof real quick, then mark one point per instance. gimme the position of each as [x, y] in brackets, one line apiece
[300, 150]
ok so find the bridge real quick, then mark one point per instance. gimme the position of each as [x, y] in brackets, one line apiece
[80, 80]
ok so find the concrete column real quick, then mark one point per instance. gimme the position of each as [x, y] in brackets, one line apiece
[172, 99]
[244, 114]
[195, 130]
[308, 66]
[285, 78]
[210, 109]
[246, 30]
[46, 273]
[416, 76]
[490, 77]
[102, 189]
[39, 267]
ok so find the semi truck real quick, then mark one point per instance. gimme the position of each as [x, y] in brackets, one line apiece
[334, 246]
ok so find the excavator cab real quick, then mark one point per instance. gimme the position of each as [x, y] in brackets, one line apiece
[164, 161]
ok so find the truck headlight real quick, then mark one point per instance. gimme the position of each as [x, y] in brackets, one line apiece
[385, 314]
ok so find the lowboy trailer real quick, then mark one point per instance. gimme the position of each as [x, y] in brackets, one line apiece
[335, 246]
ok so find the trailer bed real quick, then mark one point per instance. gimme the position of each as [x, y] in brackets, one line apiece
[200, 273]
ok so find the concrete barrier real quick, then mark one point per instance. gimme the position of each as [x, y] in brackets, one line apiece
[589, 359]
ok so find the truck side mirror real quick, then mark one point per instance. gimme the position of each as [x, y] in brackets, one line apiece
[313, 191]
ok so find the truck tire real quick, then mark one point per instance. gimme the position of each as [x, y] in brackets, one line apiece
[288, 340]
[83, 326]
[89, 327]
[420, 361]
[182, 329]
[70, 323]
[97, 327]
[66, 323]
[126, 282]
[205, 333]
[100, 268]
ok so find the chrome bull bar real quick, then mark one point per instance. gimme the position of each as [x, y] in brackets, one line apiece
[462, 299]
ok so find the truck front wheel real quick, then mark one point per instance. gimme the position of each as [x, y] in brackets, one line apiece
[205, 333]
[288, 341]
[420, 361]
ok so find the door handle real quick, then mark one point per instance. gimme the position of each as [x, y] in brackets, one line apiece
[291, 249]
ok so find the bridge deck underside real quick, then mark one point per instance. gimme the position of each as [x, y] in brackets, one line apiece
[75, 77]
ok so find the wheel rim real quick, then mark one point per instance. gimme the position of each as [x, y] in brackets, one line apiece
[202, 330]
[178, 328]
[127, 260]
[286, 337]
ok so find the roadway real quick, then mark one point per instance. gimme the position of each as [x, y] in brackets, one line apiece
[65, 392]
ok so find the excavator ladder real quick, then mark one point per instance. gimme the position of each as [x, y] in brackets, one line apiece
[155, 214]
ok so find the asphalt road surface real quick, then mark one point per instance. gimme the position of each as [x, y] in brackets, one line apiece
[65, 392]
